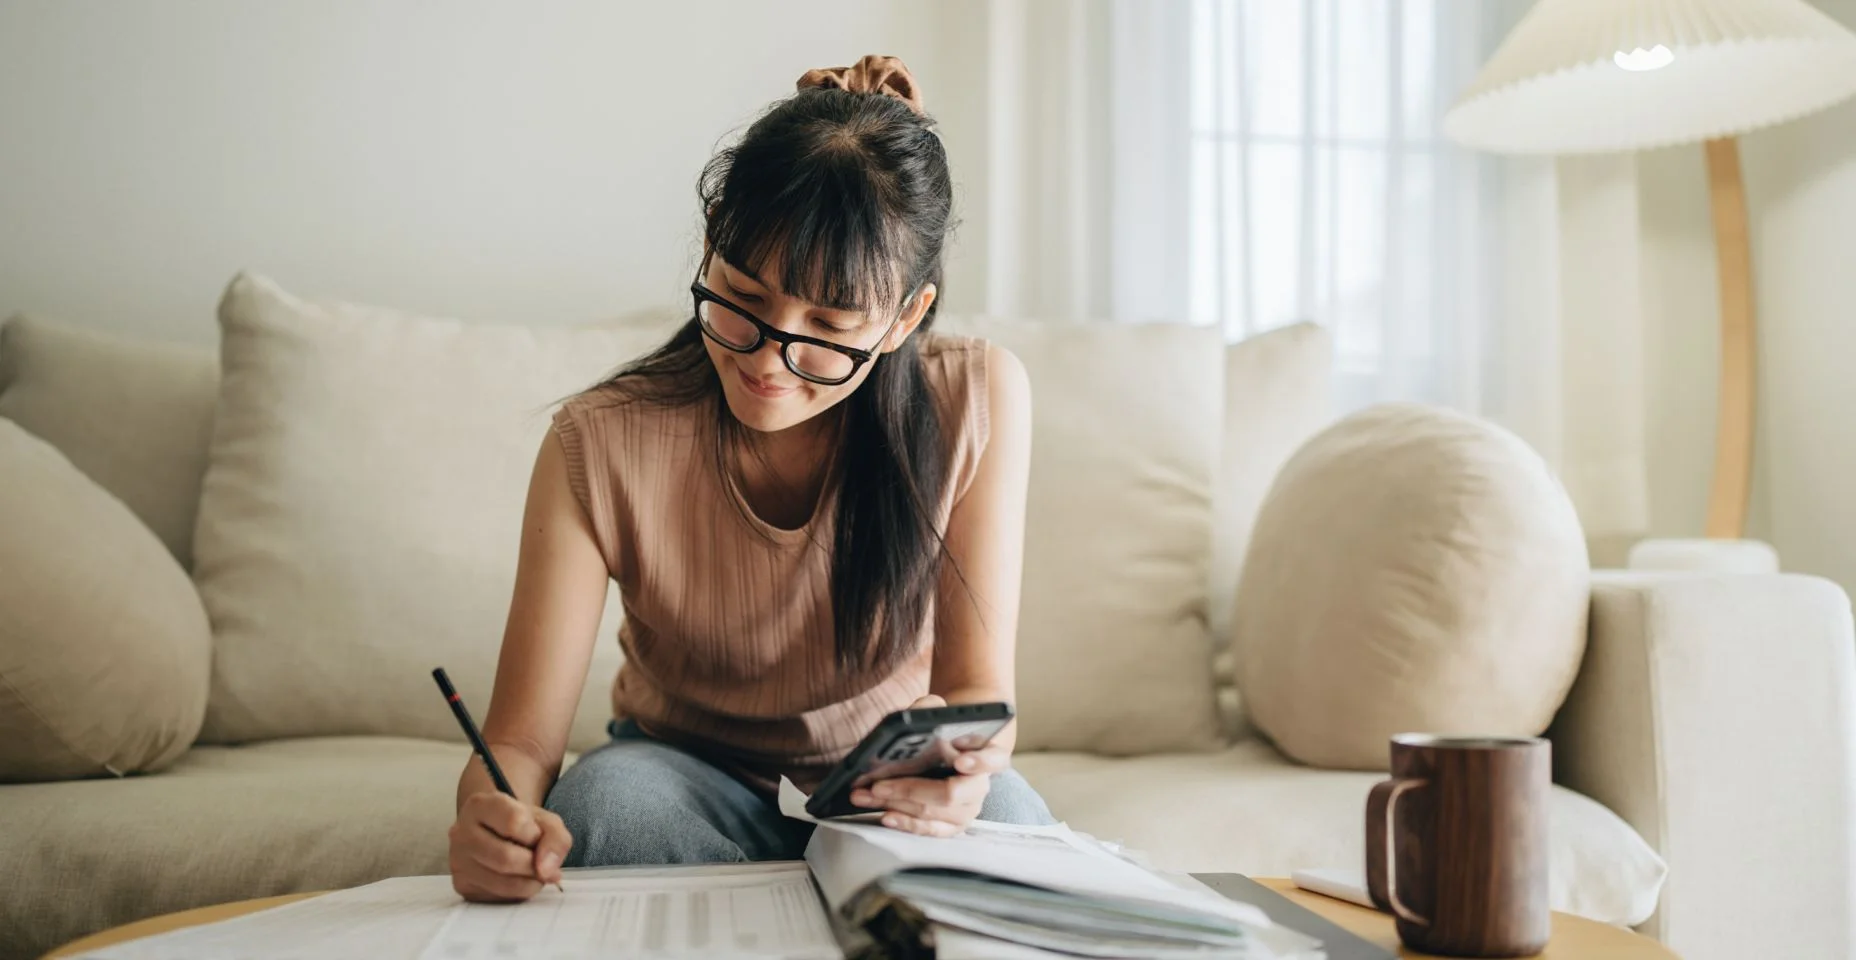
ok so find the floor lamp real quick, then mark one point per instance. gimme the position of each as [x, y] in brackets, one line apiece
[1599, 76]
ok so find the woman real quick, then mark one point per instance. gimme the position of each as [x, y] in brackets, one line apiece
[814, 512]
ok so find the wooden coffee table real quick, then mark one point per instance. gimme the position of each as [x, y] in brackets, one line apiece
[1574, 938]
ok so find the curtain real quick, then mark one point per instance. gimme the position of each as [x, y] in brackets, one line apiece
[1066, 124]
[1254, 163]
[1323, 188]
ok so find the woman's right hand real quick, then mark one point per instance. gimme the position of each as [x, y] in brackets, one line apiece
[504, 850]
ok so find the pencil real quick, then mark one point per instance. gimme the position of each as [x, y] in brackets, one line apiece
[476, 738]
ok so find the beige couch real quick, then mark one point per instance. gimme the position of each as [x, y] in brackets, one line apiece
[343, 485]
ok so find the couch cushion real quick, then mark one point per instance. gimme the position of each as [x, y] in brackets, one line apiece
[224, 823]
[1249, 810]
[362, 510]
[1277, 393]
[135, 416]
[1113, 651]
[1278, 389]
[1412, 569]
[105, 654]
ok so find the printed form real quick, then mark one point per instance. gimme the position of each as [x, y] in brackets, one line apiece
[771, 915]
[746, 911]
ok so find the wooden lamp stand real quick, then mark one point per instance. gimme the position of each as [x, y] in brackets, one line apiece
[1733, 443]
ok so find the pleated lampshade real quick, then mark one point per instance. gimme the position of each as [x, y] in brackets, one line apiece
[1594, 76]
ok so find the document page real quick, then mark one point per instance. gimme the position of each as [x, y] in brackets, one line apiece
[750, 911]
[765, 915]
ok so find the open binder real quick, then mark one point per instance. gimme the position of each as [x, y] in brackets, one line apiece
[1002, 890]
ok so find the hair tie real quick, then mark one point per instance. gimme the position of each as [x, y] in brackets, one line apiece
[872, 74]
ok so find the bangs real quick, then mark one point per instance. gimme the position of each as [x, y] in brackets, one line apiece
[819, 224]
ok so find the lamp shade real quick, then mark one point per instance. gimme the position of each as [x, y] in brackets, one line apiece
[1594, 76]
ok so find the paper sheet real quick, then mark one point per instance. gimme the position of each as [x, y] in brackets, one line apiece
[1056, 939]
[951, 943]
[768, 915]
[736, 910]
[793, 804]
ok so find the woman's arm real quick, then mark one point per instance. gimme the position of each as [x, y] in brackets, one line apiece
[504, 849]
[560, 594]
[976, 610]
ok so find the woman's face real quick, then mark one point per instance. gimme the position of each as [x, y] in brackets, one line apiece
[762, 393]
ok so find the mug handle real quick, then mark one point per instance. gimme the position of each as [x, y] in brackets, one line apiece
[1381, 806]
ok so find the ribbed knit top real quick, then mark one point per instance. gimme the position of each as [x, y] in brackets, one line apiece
[728, 631]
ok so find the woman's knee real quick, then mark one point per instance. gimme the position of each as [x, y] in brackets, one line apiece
[622, 807]
[1011, 799]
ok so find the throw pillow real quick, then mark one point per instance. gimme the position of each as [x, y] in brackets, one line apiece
[1412, 569]
[104, 649]
[134, 416]
[1114, 655]
[362, 511]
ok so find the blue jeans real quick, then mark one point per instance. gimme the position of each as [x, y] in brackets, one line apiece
[636, 800]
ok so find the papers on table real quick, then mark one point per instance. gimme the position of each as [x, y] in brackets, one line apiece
[725, 915]
[1038, 888]
[998, 892]
[1003, 890]
[735, 910]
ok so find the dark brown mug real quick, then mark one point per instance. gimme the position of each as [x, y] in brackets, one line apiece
[1456, 844]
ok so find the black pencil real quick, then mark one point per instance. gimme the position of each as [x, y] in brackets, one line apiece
[476, 739]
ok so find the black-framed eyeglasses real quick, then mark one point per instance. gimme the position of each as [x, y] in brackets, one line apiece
[809, 358]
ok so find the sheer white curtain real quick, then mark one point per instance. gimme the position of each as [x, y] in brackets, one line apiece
[1254, 163]
[1243, 163]
[1322, 188]
[1067, 125]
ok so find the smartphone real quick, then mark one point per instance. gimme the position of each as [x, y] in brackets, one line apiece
[908, 743]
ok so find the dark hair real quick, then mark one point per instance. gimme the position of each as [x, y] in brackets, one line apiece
[850, 193]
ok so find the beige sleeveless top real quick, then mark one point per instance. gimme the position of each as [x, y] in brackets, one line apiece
[728, 634]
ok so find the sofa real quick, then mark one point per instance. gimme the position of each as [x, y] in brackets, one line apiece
[340, 485]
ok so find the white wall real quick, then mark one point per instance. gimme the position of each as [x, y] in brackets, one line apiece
[1801, 193]
[519, 162]
[1802, 183]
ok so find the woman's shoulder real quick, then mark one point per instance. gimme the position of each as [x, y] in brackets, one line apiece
[952, 359]
[618, 417]
[955, 367]
[958, 365]
[593, 410]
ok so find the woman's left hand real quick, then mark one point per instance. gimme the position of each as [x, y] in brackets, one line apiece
[937, 808]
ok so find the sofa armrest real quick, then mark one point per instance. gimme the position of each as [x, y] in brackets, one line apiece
[1717, 715]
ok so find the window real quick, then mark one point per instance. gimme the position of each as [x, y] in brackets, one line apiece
[1322, 188]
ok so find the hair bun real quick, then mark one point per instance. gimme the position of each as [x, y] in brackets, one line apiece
[872, 74]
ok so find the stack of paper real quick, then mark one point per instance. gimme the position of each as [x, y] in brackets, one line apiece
[1087, 926]
[1000, 891]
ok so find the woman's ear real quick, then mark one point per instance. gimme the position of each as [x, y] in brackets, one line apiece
[912, 315]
